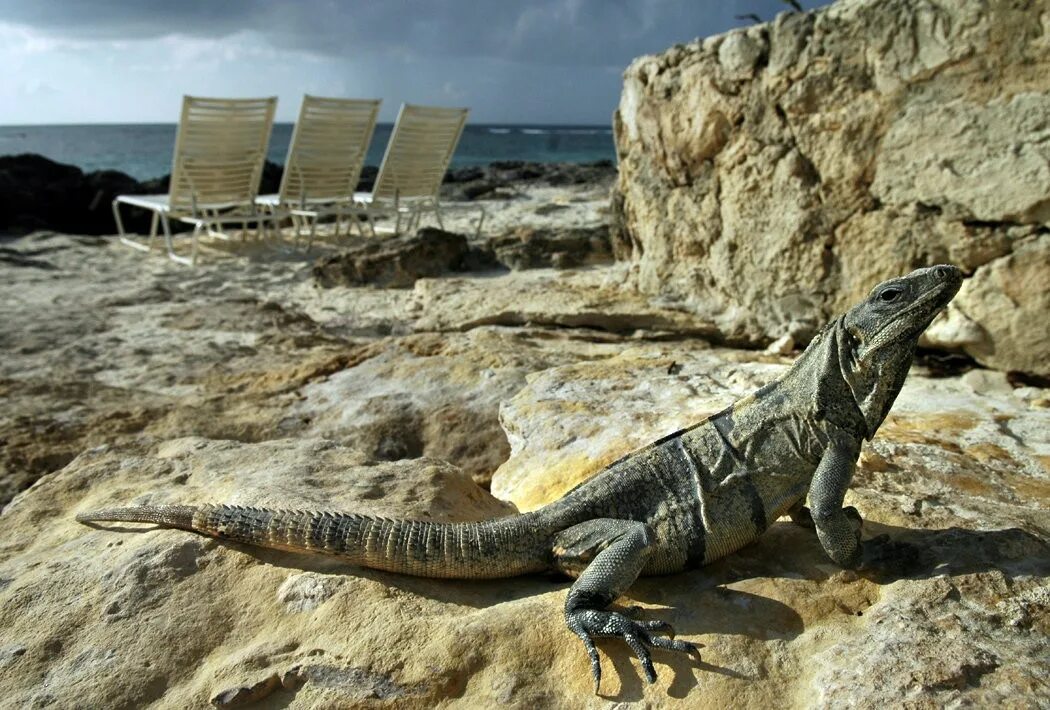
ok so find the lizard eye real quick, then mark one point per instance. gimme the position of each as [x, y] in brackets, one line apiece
[889, 295]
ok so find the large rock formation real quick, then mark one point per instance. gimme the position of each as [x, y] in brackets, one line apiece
[771, 175]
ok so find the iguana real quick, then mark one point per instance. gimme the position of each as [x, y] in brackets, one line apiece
[681, 502]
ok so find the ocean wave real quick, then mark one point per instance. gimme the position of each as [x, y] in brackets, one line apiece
[499, 131]
[534, 131]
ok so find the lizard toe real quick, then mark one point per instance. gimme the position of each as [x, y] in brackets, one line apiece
[638, 635]
[660, 627]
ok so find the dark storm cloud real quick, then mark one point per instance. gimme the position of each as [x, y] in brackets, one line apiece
[553, 32]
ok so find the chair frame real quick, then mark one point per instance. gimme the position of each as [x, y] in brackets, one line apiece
[325, 157]
[211, 185]
[405, 186]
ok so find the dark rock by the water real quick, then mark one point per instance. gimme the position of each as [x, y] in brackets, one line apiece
[484, 181]
[37, 193]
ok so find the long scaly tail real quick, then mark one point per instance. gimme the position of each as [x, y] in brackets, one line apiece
[503, 547]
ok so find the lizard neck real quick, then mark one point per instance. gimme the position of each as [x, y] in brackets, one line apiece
[822, 383]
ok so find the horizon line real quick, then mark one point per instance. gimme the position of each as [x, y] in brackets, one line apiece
[292, 122]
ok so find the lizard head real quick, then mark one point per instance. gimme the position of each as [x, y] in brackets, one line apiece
[876, 339]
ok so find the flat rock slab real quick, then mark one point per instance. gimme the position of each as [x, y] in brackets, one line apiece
[124, 616]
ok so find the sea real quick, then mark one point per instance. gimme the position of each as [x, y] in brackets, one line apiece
[144, 151]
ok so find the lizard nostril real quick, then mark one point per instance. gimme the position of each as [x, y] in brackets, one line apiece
[943, 272]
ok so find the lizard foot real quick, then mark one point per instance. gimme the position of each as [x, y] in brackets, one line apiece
[591, 623]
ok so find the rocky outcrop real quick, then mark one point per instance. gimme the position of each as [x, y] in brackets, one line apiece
[127, 378]
[1003, 310]
[501, 177]
[537, 248]
[770, 176]
[397, 262]
[105, 345]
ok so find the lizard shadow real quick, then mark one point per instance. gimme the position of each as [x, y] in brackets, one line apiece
[959, 551]
[933, 552]
[725, 611]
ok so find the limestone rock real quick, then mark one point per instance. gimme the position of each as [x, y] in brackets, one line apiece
[869, 142]
[1008, 299]
[176, 618]
[642, 394]
[434, 395]
[975, 160]
[739, 52]
[396, 262]
[104, 617]
[588, 298]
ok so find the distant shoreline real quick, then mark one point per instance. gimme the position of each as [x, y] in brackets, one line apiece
[37, 193]
[143, 151]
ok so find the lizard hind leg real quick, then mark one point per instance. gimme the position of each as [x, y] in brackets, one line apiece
[606, 556]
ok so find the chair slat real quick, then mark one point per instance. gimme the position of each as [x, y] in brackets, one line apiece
[419, 151]
[328, 149]
[220, 150]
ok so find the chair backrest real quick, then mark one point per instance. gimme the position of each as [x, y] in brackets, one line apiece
[327, 150]
[220, 150]
[419, 151]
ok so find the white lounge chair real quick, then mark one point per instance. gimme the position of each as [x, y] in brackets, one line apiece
[324, 161]
[220, 150]
[417, 156]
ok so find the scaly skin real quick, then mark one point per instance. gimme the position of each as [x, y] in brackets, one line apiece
[681, 502]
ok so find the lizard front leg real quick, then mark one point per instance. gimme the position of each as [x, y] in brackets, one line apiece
[608, 555]
[838, 528]
[838, 534]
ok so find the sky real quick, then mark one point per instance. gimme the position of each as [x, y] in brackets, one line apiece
[510, 61]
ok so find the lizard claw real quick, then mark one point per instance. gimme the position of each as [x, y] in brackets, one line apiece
[590, 623]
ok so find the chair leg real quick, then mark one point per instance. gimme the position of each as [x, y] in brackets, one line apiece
[194, 238]
[124, 238]
[313, 233]
[171, 245]
[117, 219]
[153, 230]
